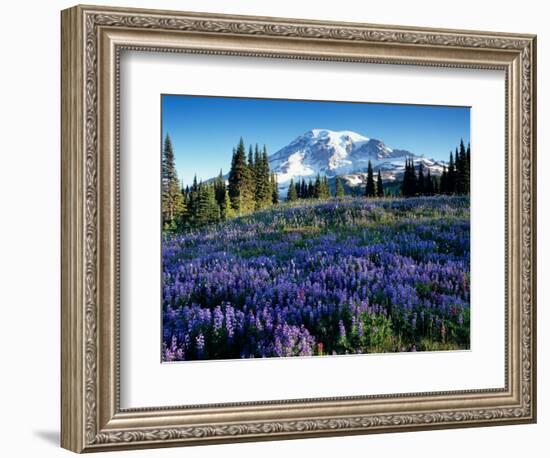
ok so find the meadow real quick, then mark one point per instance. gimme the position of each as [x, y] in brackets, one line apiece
[320, 277]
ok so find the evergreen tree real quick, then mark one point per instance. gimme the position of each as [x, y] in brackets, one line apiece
[254, 165]
[263, 185]
[310, 190]
[299, 189]
[193, 198]
[339, 188]
[251, 161]
[318, 187]
[420, 183]
[429, 188]
[317, 192]
[222, 198]
[405, 183]
[168, 161]
[414, 185]
[461, 166]
[259, 184]
[326, 188]
[379, 185]
[208, 210]
[369, 188]
[457, 172]
[451, 175]
[274, 189]
[443, 186]
[265, 157]
[173, 204]
[250, 187]
[303, 189]
[226, 210]
[241, 183]
[409, 185]
[292, 194]
[468, 169]
[219, 189]
[185, 192]
[234, 181]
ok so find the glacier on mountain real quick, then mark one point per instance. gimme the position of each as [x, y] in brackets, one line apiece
[345, 154]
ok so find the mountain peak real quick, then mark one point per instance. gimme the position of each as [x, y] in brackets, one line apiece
[328, 133]
[340, 153]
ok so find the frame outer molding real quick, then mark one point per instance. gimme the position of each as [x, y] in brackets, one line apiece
[72, 247]
[91, 419]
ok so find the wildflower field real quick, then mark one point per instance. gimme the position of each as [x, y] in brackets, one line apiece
[340, 276]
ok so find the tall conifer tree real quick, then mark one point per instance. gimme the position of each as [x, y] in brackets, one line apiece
[219, 188]
[325, 188]
[317, 187]
[297, 187]
[414, 185]
[379, 185]
[173, 204]
[468, 169]
[429, 190]
[263, 186]
[257, 178]
[193, 198]
[302, 185]
[460, 169]
[274, 189]
[369, 188]
[405, 183]
[208, 210]
[226, 210]
[310, 190]
[420, 182]
[241, 183]
[451, 175]
[251, 161]
[443, 182]
[292, 195]
[339, 188]
[409, 185]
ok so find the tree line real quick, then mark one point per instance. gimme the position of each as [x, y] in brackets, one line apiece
[372, 189]
[455, 178]
[312, 189]
[250, 186]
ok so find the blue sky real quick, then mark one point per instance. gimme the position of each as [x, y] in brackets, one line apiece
[204, 130]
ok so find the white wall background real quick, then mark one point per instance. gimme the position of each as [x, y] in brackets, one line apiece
[29, 227]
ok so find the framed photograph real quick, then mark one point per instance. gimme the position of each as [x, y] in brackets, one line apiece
[278, 228]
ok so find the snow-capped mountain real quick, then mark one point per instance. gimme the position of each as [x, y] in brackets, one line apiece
[342, 153]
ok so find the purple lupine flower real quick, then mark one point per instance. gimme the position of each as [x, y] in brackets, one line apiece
[341, 329]
[200, 345]
[415, 269]
[218, 319]
[230, 321]
[360, 329]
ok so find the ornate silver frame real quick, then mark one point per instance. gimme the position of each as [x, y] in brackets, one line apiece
[92, 39]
